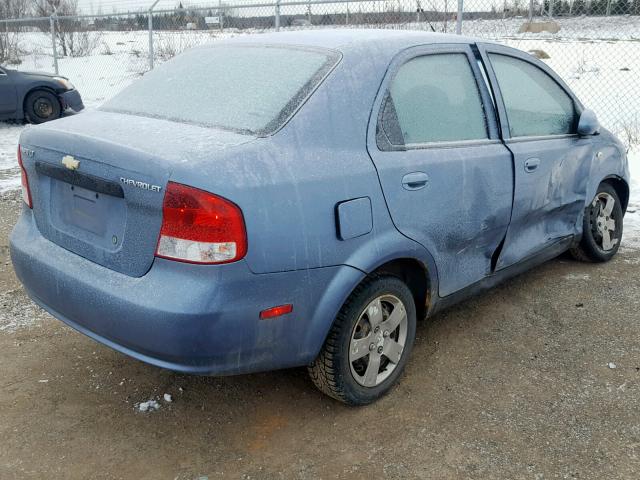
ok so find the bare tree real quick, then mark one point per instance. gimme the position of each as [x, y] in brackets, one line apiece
[10, 9]
[72, 36]
[517, 7]
[13, 8]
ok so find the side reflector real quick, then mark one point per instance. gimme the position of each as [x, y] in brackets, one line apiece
[276, 311]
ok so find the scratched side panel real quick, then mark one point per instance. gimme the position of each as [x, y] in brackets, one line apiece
[461, 216]
[548, 201]
[612, 162]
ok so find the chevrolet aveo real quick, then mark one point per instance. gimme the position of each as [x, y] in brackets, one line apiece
[301, 199]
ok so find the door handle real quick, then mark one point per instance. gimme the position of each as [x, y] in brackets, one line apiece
[415, 181]
[531, 164]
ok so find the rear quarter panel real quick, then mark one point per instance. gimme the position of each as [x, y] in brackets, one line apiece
[290, 184]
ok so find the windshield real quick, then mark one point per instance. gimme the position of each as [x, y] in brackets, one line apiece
[249, 89]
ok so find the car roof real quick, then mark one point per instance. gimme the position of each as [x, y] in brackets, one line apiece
[349, 38]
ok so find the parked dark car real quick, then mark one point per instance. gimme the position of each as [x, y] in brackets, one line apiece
[302, 198]
[36, 97]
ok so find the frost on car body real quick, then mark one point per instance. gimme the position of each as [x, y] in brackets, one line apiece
[313, 193]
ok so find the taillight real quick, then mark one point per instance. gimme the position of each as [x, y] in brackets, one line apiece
[26, 193]
[200, 227]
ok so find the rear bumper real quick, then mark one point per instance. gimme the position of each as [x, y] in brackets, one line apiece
[72, 100]
[188, 318]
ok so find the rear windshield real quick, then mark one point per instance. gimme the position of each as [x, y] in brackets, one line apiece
[248, 89]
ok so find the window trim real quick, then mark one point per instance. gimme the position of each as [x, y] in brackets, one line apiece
[442, 145]
[490, 114]
[535, 138]
[485, 50]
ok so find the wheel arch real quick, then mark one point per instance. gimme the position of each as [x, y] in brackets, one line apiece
[413, 271]
[621, 187]
[387, 252]
[390, 250]
[415, 275]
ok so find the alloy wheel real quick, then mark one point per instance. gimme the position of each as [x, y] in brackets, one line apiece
[378, 340]
[603, 221]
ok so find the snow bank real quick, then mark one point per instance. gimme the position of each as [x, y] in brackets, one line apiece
[9, 173]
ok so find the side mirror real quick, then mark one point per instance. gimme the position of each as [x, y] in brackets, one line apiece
[588, 123]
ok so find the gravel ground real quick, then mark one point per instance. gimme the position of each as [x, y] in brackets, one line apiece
[516, 384]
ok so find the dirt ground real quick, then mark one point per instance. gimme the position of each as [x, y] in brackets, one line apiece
[516, 384]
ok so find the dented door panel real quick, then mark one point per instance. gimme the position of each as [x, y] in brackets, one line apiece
[551, 173]
[461, 216]
[549, 198]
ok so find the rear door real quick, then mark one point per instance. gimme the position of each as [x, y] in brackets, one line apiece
[446, 176]
[7, 93]
[539, 118]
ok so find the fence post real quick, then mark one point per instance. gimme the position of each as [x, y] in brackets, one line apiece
[52, 24]
[221, 15]
[277, 16]
[151, 55]
[150, 39]
[4, 48]
[459, 17]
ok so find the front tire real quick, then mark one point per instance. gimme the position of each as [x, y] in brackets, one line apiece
[369, 342]
[601, 228]
[42, 106]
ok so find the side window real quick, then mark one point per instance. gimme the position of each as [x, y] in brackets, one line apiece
[434, 98]
[535, 103]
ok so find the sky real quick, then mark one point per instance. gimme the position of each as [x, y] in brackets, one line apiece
[90, 7]
[108, 6]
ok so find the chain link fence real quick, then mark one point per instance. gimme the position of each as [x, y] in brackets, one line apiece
[593, 44]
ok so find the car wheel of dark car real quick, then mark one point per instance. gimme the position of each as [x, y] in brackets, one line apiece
[42, 106]
[369, 343]
[602, 228]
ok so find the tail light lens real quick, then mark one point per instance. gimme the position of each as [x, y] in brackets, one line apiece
[26, 193]
[200, 227]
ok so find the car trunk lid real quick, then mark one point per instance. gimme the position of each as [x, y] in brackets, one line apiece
[98, 180]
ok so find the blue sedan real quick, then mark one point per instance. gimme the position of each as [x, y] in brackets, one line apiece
[301, 199]
[35, 96]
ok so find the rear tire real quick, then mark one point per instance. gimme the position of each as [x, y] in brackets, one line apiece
[601, 228]
[369, 343]
[42, 106]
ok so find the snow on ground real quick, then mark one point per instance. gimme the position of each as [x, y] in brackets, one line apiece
[153, 404]
[17, 314]
[598, 57]
[9, 173]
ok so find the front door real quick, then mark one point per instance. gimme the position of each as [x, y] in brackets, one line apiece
[446, 176]
[551, 161]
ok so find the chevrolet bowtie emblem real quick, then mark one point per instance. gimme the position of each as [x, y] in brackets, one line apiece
[70, 162]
